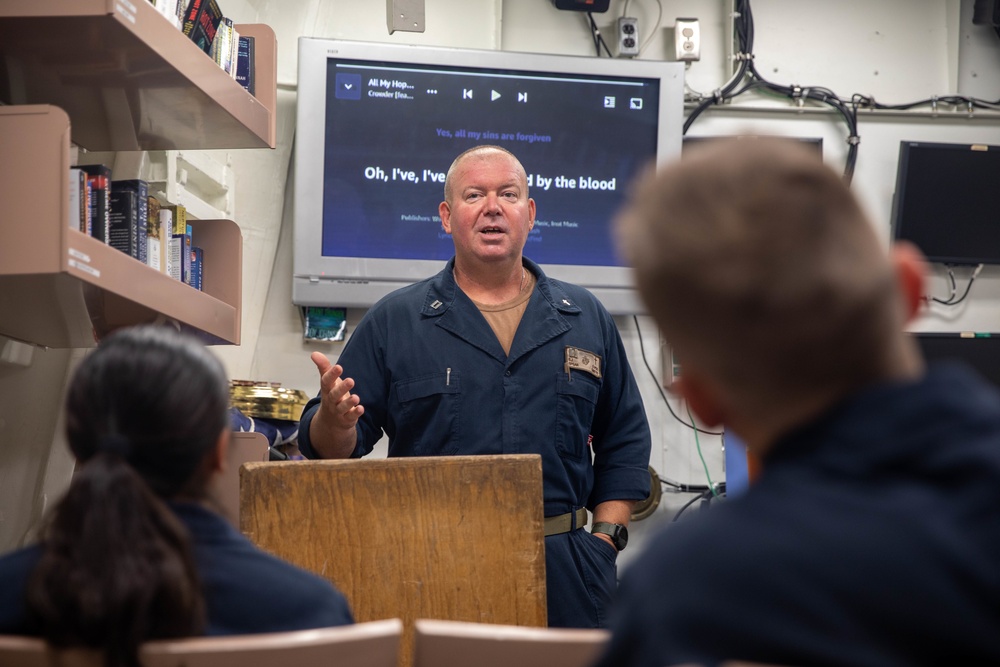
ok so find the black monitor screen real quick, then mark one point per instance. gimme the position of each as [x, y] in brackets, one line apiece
[946, 201]
[981, 352]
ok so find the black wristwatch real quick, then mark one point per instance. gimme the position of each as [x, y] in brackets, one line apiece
[616, 531]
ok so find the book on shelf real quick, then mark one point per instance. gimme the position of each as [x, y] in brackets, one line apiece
[124, 218]
[223, 48]
[220, 37]
[153, 233]
[138, 216]
[185, 252]
[234, 48]
[166, 232]
[175, 261]
[79, 204]
[99, 179]
[88, 195]
[197, 259]
[180, 7]
[172, 10]
[179, 244]
[201, 22]
[244, 63]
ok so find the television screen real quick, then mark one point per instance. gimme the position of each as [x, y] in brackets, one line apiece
[945, 202]
[379, 124]
[980, 351]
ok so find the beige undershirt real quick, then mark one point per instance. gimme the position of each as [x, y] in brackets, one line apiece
[504, 318]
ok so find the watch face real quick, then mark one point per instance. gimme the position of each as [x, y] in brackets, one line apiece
[621, 537]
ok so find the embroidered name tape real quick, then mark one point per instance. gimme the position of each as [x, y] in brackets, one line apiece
[582, 360]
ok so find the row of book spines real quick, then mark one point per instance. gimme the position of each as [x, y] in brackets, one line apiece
[225, 46]
[204, 23]
[123, 215]
[234, 53]
[173, 10]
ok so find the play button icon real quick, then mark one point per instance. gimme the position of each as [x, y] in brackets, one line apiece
[494, 96]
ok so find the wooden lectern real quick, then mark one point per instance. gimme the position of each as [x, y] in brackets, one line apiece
[453, 538]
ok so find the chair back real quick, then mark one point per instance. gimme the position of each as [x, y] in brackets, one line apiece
[244, 447]
[372, 644]
[458, 643]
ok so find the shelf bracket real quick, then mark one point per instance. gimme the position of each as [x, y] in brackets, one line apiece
[404, 15]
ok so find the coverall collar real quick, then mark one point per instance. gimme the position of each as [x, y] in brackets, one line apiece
[443, 290]
[543, 319]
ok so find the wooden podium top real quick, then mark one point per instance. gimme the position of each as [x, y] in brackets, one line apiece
[453, 538]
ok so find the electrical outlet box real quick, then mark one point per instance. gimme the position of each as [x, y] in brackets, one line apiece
[687, 39]
[628, 36]
[670, 366]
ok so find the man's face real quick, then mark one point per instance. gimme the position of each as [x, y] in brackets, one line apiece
[489, 213]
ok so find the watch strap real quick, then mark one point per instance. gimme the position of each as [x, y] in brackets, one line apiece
[612, 530]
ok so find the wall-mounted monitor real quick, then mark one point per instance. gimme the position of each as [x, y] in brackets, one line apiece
[980, 351]
[945, 201]
[379, 124]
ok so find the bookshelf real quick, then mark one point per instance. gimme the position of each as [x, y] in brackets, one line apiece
[60, 287]
[112, 75]
[129, 79]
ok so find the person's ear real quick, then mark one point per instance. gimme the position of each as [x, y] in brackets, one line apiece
[911, 271]
[444, 212]
[701, 400]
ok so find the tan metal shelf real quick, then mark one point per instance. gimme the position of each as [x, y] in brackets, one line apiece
[129, 79]
[62, 288]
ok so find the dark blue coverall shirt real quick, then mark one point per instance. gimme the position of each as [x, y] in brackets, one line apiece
[431, 373]
[247, 591]
[871, 538]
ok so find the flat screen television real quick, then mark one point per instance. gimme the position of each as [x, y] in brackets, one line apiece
[945, 202]
[378, 125]
[980, 351]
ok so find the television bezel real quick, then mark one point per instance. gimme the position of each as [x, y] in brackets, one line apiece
[320, 280]
[975, 342]
[899, 227]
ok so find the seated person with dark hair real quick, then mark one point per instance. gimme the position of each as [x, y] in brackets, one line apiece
[134, 552]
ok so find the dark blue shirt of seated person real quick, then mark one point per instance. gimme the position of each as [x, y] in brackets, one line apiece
[247, 591]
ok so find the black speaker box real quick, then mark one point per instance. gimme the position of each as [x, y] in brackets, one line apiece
[597, 6]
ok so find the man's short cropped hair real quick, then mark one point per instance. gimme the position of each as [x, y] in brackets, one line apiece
[762, 270]
[481, 152]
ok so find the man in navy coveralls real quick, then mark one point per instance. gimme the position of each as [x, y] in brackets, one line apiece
[492, 357]
[872, 534]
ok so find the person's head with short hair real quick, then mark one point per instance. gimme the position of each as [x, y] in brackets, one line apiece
[147, 420]
[487, 209]
[769, 282]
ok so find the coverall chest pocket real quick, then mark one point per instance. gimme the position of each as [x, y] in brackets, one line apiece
[428, 413]
[576, 399]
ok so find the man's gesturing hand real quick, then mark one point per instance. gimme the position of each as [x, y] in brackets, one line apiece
[332, 430]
